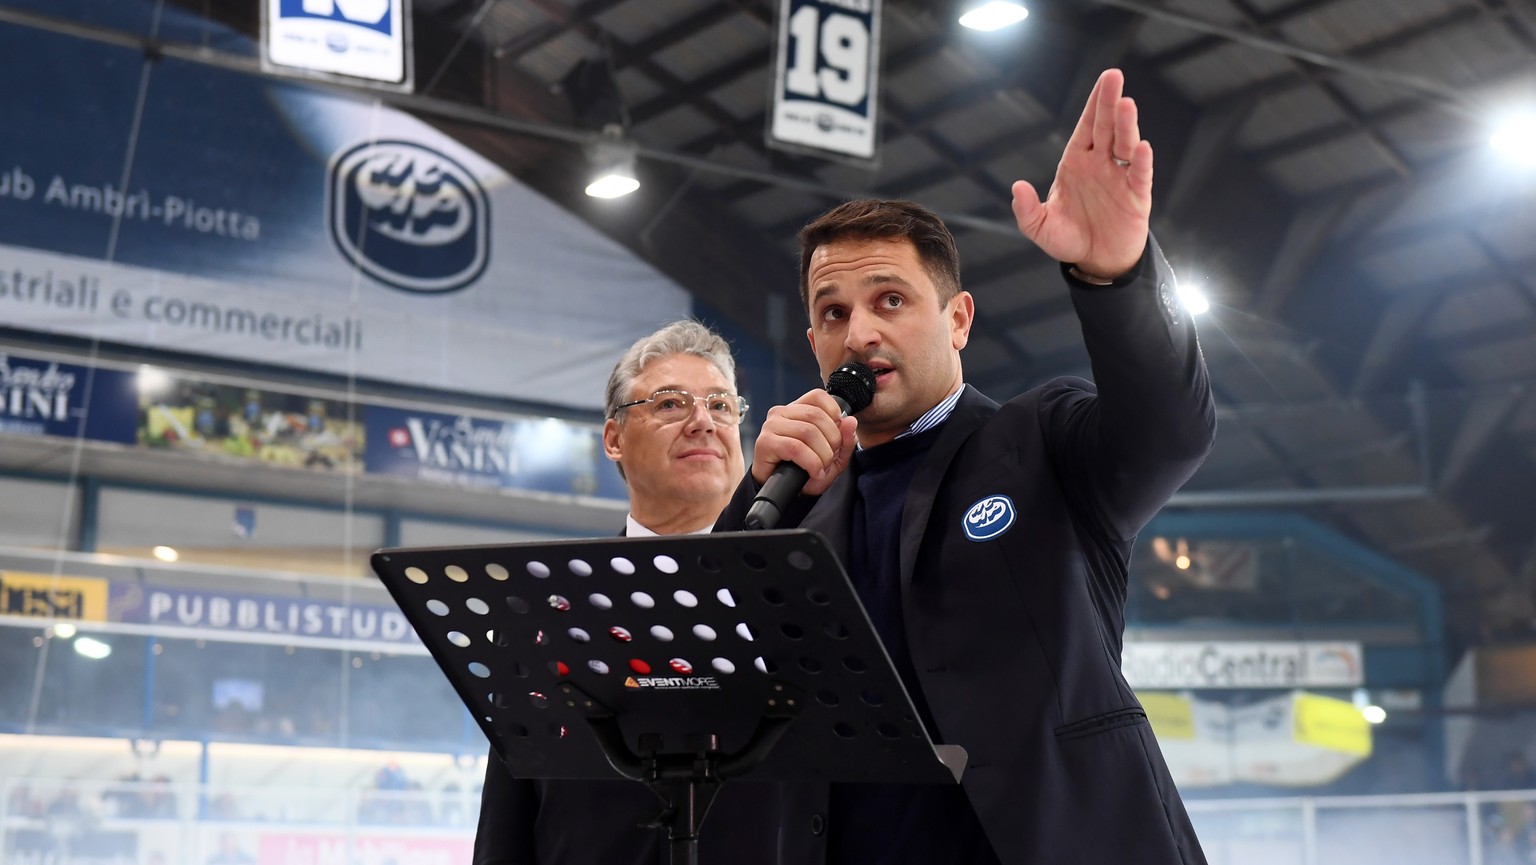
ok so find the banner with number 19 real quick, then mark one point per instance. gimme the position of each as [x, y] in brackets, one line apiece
[824, 86]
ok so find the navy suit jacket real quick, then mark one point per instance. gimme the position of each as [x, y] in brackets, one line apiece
[1015, 635]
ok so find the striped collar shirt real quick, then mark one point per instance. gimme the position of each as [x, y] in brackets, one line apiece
[936, 415]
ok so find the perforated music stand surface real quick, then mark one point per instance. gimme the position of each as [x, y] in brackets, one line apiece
[541, 638]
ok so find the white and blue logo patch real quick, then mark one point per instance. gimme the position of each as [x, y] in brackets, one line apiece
[409, 216]
[988, 518]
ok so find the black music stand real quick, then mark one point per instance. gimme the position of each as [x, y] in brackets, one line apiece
[680, 662]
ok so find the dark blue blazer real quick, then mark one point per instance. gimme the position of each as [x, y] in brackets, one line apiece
[1016, 637]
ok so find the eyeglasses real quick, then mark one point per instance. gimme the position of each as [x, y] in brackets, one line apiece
[669, 406]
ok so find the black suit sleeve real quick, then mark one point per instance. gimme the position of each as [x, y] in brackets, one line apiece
[508, 809]
[1123, 451]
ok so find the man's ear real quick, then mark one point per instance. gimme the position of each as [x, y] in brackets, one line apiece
[611, 445]
[810, 334]
[962, 312]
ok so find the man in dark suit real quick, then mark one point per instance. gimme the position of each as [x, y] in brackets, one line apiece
[989, 543]
[673, 430]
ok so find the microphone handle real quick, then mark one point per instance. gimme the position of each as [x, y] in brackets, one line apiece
[786, 482]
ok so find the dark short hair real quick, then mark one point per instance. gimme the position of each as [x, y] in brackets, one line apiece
[876, 219]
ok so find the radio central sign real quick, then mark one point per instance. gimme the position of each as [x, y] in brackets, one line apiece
[1243, 665]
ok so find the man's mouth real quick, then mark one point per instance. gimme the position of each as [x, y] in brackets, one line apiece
[698, 455]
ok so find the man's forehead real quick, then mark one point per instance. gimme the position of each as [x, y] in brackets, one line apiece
[683, 372]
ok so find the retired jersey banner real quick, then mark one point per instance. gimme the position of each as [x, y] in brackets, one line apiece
[271, 223]
[824, 87]
[357, 38]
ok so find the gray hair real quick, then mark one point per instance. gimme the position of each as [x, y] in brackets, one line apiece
[680, 337]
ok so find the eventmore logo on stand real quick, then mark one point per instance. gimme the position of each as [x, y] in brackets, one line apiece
[408, 216]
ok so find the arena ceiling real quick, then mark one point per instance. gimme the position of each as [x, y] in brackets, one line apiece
[1324, 174]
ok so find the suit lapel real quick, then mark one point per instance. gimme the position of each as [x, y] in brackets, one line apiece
[970, 413]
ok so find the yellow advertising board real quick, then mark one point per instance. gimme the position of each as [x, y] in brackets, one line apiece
[50, 597]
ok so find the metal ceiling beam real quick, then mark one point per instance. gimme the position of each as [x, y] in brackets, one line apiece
[1403, 318]
[1209, 140]
[1305, 238]
[1337, 63]
[1209, 42]
[1483, 420]
[536, 38]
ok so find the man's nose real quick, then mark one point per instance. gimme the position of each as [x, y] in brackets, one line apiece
[863, 331]
[699, 417]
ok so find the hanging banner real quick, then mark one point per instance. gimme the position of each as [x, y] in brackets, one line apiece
[274, 224]
[356, 38]
[825, 96]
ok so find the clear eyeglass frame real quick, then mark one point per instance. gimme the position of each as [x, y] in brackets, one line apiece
[670, 405]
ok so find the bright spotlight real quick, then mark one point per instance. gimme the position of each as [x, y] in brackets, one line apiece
[92, 648]
[165, 554]
[152, 380]
[994, 16]
[1182, 563]
[1513, 138]
[1373, 714]
[64, 630]
[1193, 299]
[613, 185]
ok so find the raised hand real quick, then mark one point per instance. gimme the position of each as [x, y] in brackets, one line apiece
[1097, 212]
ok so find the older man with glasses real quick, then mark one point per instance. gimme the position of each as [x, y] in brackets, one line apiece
[673, 428]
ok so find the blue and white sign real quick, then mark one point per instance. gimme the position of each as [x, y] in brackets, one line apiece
[358, 38]
[540, 454]
[988, 518]
[171, 607]
[409, 216]
[44, 398]
[825, 95]
[268, 222]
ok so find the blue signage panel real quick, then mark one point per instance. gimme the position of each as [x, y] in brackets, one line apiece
[174, 607]
[540, 454]
[46, 398]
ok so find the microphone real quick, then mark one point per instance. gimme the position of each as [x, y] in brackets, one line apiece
[852, 385]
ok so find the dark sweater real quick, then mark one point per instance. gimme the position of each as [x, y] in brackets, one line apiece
[893, 824]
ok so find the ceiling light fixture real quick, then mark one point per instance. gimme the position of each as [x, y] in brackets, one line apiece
[994, 16]
[1512, 138]
[613, 163]
[92, 648]
[165, 554]
[1373, 714]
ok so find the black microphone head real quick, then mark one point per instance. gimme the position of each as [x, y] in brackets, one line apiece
[854, 384]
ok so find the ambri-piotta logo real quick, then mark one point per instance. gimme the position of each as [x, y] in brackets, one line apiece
[408, 216]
